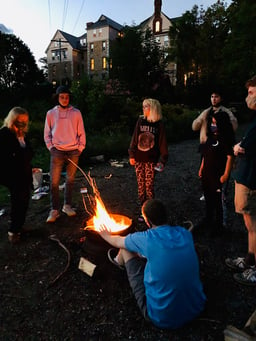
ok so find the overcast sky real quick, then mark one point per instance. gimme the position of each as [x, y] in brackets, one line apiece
[36, 21]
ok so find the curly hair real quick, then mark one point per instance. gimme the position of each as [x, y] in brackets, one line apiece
[251, 82]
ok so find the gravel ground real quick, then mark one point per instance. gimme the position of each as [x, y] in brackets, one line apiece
[44, 296]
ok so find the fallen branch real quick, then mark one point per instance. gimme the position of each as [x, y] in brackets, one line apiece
[53, 237]
[191, 225]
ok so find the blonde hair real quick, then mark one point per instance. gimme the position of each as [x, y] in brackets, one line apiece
[12, 116]
[155, 109]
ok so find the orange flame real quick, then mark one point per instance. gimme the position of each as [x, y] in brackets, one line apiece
[114, 222]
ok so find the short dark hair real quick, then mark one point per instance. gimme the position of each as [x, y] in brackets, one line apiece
[251, 82]
[155, 211]
[217, 91]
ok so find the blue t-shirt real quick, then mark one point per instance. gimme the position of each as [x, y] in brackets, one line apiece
[173, 289]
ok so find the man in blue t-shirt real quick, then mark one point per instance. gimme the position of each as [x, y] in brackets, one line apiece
[162, 268]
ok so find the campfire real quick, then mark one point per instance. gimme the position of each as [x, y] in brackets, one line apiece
[94, 206]
[116, 223]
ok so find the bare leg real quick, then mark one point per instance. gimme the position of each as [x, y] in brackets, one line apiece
[251, 227]
[124, 255]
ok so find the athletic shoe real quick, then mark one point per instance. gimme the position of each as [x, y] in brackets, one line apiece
[248, 277]
[13, 237]
[68, 210]
[238, 264]
[112, 253]
[53, 215]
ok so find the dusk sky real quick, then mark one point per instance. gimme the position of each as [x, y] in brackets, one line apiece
[35, 22]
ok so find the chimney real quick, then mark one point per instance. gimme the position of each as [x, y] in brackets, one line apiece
[158, 7]
[88, 24]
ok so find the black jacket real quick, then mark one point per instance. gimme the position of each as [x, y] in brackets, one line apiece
[15, 169]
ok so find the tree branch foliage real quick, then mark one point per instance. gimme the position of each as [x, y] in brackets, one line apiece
[216, 46]
[18, 68]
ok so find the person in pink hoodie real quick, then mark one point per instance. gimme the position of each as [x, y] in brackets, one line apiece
[65, 137]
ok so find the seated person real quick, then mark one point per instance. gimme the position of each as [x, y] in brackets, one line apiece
[162, 268]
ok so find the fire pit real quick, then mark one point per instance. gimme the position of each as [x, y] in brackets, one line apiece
[97, 246]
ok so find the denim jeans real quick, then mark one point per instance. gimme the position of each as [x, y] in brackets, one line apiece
[58, 160]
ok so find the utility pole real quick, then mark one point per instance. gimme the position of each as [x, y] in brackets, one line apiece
[60, 42]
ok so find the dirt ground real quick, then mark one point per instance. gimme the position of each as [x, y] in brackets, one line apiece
[44, 296]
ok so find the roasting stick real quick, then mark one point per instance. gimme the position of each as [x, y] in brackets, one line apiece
[53, 237]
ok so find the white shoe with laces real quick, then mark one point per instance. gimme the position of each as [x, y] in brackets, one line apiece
[53, 215]
[68, 210]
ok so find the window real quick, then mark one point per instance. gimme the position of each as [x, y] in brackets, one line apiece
[100, 32]
[157, 26]
[104, 46]
[64, 54]
[104, 63]
[83, 42]
[92, 64]
[166, 41]
[91, 47]
[94, 33]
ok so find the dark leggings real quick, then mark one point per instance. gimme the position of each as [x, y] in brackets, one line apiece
[20, 196]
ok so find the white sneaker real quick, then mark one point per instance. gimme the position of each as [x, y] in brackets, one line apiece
[68, 210]
[53, 215]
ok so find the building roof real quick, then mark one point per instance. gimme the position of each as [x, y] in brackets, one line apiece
[144, 22]
[105, 21]
[72, 40]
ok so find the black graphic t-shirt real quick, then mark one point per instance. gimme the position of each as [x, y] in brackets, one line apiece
[148, 142]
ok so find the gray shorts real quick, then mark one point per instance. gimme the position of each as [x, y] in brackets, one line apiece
[135, 273]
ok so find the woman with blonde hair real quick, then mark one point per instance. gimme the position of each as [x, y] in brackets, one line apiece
[148, 150]
[16, 169]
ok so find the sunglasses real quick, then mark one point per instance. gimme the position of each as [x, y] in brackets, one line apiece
[20, 125]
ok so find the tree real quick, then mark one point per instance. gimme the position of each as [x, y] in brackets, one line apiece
[18, 69]
[184, 36]
[136, 61]
[240, 47]
[44, 66]
[213, 34]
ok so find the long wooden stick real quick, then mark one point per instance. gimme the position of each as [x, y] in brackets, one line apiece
[53, 237]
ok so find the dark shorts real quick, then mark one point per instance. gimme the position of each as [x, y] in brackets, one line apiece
[135, 273]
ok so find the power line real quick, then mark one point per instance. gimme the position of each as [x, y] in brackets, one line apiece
[65, 11]
[78, 17]
[49, 14]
